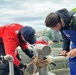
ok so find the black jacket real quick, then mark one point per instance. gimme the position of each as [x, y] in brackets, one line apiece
[69, 23]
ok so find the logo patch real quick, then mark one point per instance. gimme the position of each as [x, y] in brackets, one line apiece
[67, 35]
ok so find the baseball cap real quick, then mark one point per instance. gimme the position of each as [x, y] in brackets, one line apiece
[29, 34]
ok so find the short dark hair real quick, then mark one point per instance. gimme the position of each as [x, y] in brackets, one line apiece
[51, 20]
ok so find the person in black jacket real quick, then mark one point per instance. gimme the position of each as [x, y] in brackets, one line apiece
[65, 21]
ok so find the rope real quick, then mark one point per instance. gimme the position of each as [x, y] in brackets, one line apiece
[41, 63]
[38, 63]
[26, 72]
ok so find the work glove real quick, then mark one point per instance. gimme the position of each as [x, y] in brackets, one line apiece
[23, 66]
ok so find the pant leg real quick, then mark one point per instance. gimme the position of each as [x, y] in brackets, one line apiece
[4, 68]
[17, 71]
[72, 66]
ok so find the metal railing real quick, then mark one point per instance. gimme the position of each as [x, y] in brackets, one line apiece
[10, 59]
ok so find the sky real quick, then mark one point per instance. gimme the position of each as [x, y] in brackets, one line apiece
[31, 12]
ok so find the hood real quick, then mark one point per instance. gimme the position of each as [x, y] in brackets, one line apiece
[64, 15]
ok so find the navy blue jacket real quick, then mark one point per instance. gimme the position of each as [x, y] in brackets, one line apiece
[69, 23]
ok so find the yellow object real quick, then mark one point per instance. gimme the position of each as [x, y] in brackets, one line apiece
[59, 42]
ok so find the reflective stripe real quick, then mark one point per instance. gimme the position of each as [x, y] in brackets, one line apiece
[71, 21]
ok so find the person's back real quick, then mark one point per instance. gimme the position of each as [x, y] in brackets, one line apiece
[9, 28]
[57, 36]
[52, 35]
[49, 35]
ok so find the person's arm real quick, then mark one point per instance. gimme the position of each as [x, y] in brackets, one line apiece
[48, 37]
[65, 42]
[10, 47]
[28, 51]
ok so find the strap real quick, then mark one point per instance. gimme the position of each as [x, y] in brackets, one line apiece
[70, 23]
[71, 20]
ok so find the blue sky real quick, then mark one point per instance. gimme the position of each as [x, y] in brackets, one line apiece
[31, 12]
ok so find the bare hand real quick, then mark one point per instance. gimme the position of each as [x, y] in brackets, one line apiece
[64, 52]
[50, 42]
[27, 66]
[72, 53]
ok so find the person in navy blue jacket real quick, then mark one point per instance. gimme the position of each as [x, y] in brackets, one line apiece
[65, 21]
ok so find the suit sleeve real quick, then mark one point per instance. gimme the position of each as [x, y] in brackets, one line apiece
[10, 47]
[26, 50]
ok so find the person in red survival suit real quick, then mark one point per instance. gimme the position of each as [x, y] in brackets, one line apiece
[12, 36]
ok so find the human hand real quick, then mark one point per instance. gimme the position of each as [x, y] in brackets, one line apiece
[50, 42]
[27, 66]
[64, 53]
[72, 53]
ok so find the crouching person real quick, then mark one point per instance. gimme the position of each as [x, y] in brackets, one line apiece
[12, 36]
